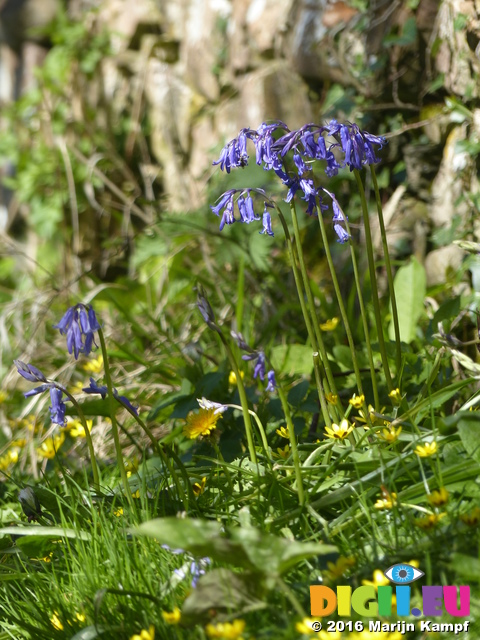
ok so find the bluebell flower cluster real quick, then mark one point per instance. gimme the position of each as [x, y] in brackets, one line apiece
[259, 358]
[79, 324]
[32, 374]
[337, 145]
[102, 390]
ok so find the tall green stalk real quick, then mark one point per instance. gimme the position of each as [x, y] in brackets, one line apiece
[311, 304]
[88, 437]
[308, 323]
[373, 281]
[388, 266]
[112, 406]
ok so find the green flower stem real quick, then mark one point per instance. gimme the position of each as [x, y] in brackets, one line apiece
[341, 304]
[365, 325]
[91, 450]
[308, 324]
[243, 398]
[311, 304]
[293, 443]
[112, 405]
[222, 462]
[166, 460]
[373, 281]
[388, 265]
[261, 430]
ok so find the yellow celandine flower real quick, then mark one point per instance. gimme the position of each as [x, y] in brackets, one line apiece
[331, 398]
[339, 432]
[80, 617]
[144, 634]
[50, 446]
[430, 521]
[77, 387]
[118, 512]
[232, 378]
[199, 487]
[387, 502]
[76, 428]
[438, 498]
[172, 617]
[94, 366]
[3, 397]
[136, 495]
[471, 519]
[201, 424]
[329, 325]
[337, 569]
[379, 579]
[390, 434]
[20, 442]
[56, 623]
[283, 433]
[357, 401]
[226, 630]
[305, 626]
[427, 449]
[395, 395]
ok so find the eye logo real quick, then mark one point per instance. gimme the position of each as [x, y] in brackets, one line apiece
[403, 573]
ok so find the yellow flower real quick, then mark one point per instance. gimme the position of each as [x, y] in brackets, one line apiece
[329, 325]
[3, 397]
[283, 453]
[339, 432]
[337, 569]
[199, 487]
[201, 423]
[471, 519]
[94, 366]
[395, 395]
[144, 634]
[438, 498]
[118, 512]
[50, 446]
[172, 617]
[387, 502]
[76, 428]
[331, 398]
[430, 521]
[226, 630]
[232, 378]
[427, 449]
[305, 626]
[379, 579]
[390, 434]
[55, 620]
[80, 617]
[283, 433]
[20, 442]
[357, 401]
[136, 495]
[77, 387]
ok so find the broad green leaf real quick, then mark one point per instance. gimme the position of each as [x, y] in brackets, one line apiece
[292, 359]
[469, 430]
[241, 546]
[88, 633]
[36, 546]
[410, 288]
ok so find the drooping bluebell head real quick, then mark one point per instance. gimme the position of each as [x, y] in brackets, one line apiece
[79, 324]
[32, 374]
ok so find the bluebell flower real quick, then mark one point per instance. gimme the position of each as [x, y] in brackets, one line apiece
[195, 570]
[267, 222]
[29, 372]
[58, 408]
[102, 390]
[259, 358]
[271, 380]
[32, 374]
[338, 218]
[358, 146]
[79, 324]
[234, 154]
